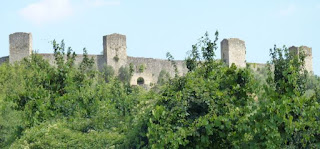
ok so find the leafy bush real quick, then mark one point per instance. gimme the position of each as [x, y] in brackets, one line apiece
[286, 117]
[108, 73]
[204, 109]
[62, 106]
[142, 67]
[212, 106]
[125, 74]
[163, 77]
[61, 135]
[116, 58]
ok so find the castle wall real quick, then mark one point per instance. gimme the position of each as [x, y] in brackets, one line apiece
[256, 66]
[152, 68]
[233, 50]
[20, 46]
[147, 76]
[4, 59]
[98, 59]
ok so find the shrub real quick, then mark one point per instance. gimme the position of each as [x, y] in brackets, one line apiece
[142, 67]
[163, 77]
[108, 72]
[125, 74]
[116, 58]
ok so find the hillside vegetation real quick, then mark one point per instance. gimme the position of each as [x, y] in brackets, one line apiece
[212, 106]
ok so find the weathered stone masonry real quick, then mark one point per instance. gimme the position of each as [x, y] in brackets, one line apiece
[115, 50]
[20, 46]
[233, 50]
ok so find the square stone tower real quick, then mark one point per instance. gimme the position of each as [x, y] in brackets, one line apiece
[20, 46]
[115, 50]
[308, 52]
[233, 50]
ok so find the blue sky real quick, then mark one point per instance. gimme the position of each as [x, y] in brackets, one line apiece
[154, 27]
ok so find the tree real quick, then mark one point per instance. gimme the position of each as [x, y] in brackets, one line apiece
[206, 108]
[286, 117]
[288, 75]
[207, 48]
[125, 74]
[58, 102]
[108, 72]
[173, 63]
[163, 77]
[86, 63]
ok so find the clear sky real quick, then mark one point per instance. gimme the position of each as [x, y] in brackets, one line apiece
[154, 27]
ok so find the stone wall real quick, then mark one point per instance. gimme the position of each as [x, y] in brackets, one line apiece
[98, 59]
[233, 50]
[147, 77]
[20, 46]
[152, 68]
[150, 73]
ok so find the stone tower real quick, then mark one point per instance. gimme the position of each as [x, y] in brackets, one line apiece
[20, 46]
[233, 50]
[115, 50]
[308, 59]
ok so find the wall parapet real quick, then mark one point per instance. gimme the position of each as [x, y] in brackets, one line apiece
[233, 50]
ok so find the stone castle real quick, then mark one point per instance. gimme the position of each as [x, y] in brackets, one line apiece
[146, 70]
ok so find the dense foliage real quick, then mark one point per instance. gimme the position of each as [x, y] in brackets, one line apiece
[213, 106]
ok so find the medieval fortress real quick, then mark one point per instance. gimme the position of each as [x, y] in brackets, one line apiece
[233, 50]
